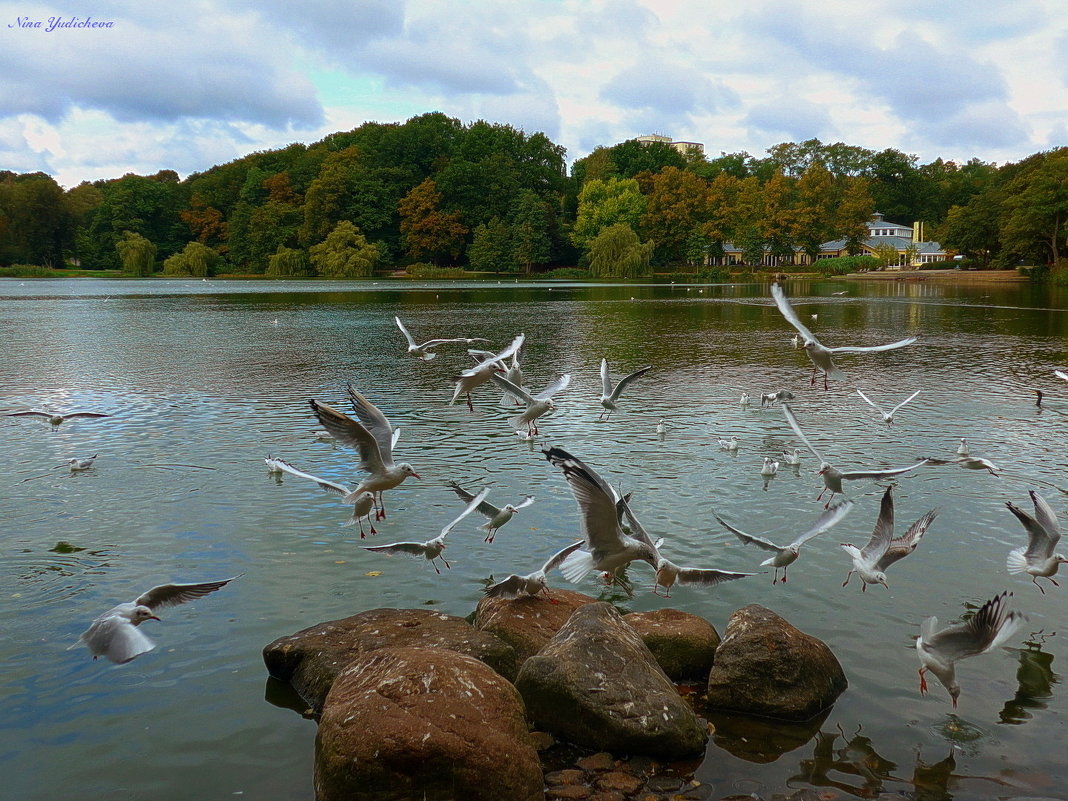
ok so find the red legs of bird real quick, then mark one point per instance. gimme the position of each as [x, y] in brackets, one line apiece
[470, 406]
[380, 508]
[1034, 580]
[777, 580]
[491, 535]
[849, 575]
[923, 681]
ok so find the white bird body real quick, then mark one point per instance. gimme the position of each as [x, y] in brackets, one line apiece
[536, 405]
[770, 468]
[729, 444]
[833, 477]
[514, 374]
[1039, 558]
[362, 505]
[491, 364]
[939, 650]
[771, 398]
[115, 634]
[968, 463]
[610, 394]
[792, 458]
[432, 549]
[962, 449]
[497, 516]
[744, 400]
[882, 550]
[373, 438]
[818, 354]
[785, 555]
[533, 583]
[425, 351]
[888, 416]
[77, 465]
[661, 428]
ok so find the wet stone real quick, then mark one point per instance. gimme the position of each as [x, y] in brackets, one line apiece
[569, 791]
[703, 792]
[663, 784]
[608, 795]
[601, 761]
[569, 776]
[620, 781]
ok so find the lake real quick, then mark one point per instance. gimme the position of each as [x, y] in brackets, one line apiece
[203, 379]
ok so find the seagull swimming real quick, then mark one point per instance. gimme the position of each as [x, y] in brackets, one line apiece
[490, 364]
[882, 549]
[610, 394]
[940, 649]
[818, 354]
[77, 465]
[962, 449]
[374, 438]
[661, 428]
[425, 351]
[832, 477]
[771, 398]
[532, 583]
[361, 507]
[786, 555]
[792, 458]
[729, 444]
[537, 405]
[497, 517]
[606, 546]
[431, 549]
[744, 400]
[1038, 557]
[770, 468]
[55, 418]
[888, 416]
[115, 634]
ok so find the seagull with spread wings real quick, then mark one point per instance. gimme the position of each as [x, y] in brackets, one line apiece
[373, 438]
[888, 416]
[537, 405]
[818, 354]
[432, 549]
[489, 364]
[361, 507]
[833, 477]
[497, 516]
[883, 550]
[55, 418]
[785, 555]
[609, 394]
[425, 351]
[1038, 557]
[115, 634]
[532, 583]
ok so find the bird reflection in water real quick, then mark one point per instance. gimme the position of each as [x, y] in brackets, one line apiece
[1036, 679]
[856, 757]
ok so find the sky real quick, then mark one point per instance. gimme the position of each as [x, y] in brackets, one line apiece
[188, 85]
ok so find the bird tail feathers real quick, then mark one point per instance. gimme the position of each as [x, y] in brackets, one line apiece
[1017, 560]
[577, 565]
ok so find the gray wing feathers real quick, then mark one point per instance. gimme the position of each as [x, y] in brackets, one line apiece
[173, 594]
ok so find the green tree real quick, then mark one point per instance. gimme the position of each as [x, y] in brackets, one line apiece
[886, 254]
[776, 222]
[1036, 207]
[530, 223]
[196, 260]
[491, 248]
[345, 253]
[38, 223]
[854, 211]
[606, 203]
[287, 263]
[676, 205]
[748, 212]
[617, 252]
[814, 220]
[973, 229]
[137, 254]
[427, 230]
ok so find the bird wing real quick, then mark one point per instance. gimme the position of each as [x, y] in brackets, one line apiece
[559, 385]
[29, 414]
[86, 414]
[393, 440]
[352, 433]
[853, 475]
[173, 594]
[988, 628]
[624, 382]
[375, 422]
[883, 533]
[789, 414]
[909, 398]
[523, 504]
[517, 343]
[829, 518]
[557, 558]
[329, 486]
[400, 325]
[870, 402]
[873, 348]
[471, 506]
[902, 546]
[405, 548]
[485, 508]
[707, 577]
[596, 501]
[1043, 514]
[120, 640]
[1061, 374]
[788, 312]
[517, 392]
[637, 530]
[748, 539]
[507, 588]
[606, 379]
[1039, 543]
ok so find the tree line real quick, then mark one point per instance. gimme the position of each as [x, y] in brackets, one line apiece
[433, 192]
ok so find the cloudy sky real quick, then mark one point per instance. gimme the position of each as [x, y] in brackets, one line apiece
[187, 85]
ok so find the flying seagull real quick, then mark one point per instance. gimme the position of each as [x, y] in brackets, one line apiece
[609, 394]
[425, 351]
[55, 418]
[537, 405]
[497, 517]
[361, 507]
[491, 363]
[115, 634]
[1038, 557]
[888, 416]
[882, 550]
[532, 583]
[818, 354]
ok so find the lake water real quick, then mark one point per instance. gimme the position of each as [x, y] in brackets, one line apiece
[204, 379]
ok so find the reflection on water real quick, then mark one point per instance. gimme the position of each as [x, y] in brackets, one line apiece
[1036, 677]
[761, 740]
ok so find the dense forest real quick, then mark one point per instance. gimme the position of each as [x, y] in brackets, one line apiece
[433, 195]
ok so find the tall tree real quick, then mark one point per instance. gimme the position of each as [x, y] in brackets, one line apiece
[1035, 220]
[530, 223]
[137, 254]
[345, 253]
[605, 203]
[854, 211]
[617, 252]
[814, 216]
[427, 229]
[491, 248]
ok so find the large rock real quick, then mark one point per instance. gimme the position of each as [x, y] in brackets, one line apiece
[596, 684]
[684, 645]
[311, 659]
[764, 666]
[529, 622]
[427, 723]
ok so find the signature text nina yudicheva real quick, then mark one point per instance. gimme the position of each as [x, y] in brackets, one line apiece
[58, 23]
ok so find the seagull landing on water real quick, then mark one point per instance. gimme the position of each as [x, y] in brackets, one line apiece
[497, 517]
[532, 583]
[940, 649]
[786, 555]
[425, 351]
[489, 364]
[55, 418]
[115, 634]
[967, 462]
[609, 394]
[432, 549]
[888, 416]
[833, 477]
[373, 438]
[537, 405]
[882, 549]
[1038, 557]
[819, 355]
[361, 507]
[771, 398]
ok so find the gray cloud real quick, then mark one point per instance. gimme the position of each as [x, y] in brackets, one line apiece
[994, 125]
[790, 119]
[668, 89]
[337, 25]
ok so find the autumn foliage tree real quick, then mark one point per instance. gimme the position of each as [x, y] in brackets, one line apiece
[428, 231]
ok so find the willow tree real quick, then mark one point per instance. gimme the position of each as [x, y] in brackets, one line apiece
[287, 263]
[345, 253]
[138, 255]
[617, 252]
[196, 259]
